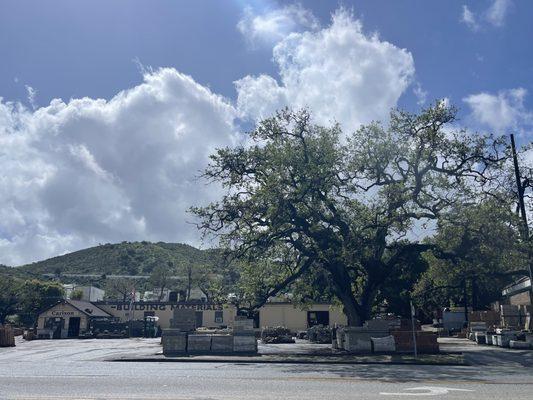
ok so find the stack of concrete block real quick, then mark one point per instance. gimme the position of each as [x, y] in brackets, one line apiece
[426, 341]
[222, 343]
[480, 337]
[174, 342]
[383, 345]
[491, 318]
[183, 319]
[477, 331]
[174, 339]
[358, 339]
[199, 343]
[494, 339]
[244, 340]
[504, 337]
[526, 314]
[511, 316]
[519, 344]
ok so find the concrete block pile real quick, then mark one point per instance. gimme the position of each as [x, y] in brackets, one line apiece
[244, 340]
[426, 342]
[384, 336]
[182, 337]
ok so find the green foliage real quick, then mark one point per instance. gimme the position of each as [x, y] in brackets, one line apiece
[35, 296]
[479, 252]
[76, 294]
[340, 206]
[126, 258]
[9, 296]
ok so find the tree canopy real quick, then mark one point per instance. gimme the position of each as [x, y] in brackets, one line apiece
[307, 203]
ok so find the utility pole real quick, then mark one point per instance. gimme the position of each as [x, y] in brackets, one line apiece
[525, 228]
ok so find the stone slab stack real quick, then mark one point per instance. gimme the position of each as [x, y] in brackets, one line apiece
[358, 339]
[198, 343]
[383, 345]
[222, 344]
[426, 342]
[183, 319]
[244, 340]
[174, 339]
[511, 316]
[491, 318]
[174, 342]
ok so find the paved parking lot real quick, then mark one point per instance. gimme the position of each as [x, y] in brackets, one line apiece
[75, 369]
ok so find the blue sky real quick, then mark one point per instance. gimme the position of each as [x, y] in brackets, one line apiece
[73, 49]
[178, 78]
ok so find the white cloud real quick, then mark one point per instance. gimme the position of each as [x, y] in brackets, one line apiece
[91, 171]
[501, 111]
[420, 93]
[497, 12]
[339, 72]
[88, 171]
[494, 15]
[469, 18]
[32, 94]
[272, 26]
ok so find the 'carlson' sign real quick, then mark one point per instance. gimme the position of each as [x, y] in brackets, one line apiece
[162, 307]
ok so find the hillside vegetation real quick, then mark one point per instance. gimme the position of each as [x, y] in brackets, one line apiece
[126, 258]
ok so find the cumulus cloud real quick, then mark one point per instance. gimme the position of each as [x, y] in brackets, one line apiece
[272, 26]
[501, 111]
[339, 72]
[91, 170]
[494, 15]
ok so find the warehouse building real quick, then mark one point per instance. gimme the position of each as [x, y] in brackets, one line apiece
[70, 318]
[214, 315]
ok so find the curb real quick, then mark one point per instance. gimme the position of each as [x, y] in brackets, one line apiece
[287, 361]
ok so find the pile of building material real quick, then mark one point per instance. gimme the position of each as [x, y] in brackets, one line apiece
[244, 340]
[276, 334]
[426, 342]
[490, 318]
[319, 334]
[7, 337]
[477, 331]
[182, 337]
[174, 339]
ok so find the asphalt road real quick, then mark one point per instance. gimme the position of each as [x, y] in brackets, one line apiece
[75, 369]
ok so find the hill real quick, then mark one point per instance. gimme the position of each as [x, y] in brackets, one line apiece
[126, 258]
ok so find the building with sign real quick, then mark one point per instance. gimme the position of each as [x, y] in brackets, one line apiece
[68, 318]
[207, 314]
[221, 315]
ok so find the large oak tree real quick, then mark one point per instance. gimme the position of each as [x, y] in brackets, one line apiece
[308, 200]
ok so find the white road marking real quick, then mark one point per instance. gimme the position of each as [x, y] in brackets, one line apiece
[427, 391]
